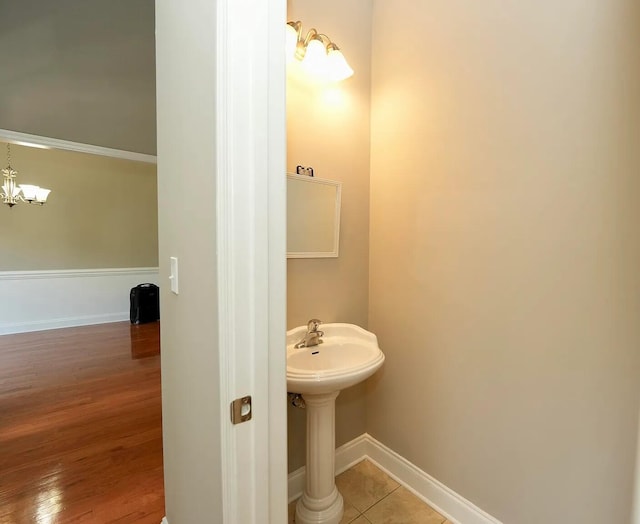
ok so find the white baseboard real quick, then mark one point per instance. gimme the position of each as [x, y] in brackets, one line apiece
[38, 300]
[56, 323]
[443, 499]
[296, 483]
[164, 520]
[347, 455]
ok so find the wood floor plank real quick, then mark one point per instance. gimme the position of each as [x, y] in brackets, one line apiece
[81, 426]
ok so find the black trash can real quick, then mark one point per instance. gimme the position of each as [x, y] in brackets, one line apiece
[144, 304]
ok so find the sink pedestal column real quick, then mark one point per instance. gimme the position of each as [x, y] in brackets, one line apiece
[321, 503]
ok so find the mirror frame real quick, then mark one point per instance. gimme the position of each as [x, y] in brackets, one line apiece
[336, 235]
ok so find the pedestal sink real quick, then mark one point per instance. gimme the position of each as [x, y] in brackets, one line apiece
[348, 355]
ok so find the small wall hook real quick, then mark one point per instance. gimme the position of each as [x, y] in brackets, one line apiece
[303, 170]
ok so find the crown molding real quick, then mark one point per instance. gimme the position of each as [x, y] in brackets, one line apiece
[44, 142]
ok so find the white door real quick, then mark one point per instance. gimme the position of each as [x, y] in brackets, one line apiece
[221, 192]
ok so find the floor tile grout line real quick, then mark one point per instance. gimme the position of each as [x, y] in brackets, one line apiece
[380, 500]
[358, 516]
[371, 506]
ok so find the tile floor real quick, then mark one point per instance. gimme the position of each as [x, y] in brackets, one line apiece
[372, 497]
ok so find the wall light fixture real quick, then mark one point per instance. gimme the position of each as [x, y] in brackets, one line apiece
[318, 54]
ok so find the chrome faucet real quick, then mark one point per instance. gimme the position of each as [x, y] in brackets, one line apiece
[313, 336]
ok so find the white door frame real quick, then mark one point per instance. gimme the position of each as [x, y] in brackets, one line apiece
[251, 211]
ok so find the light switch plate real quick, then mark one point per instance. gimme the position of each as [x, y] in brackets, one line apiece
[173, 277]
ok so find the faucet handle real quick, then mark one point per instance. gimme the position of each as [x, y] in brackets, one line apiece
[313, 325]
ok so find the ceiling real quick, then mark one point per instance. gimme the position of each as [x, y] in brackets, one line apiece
[80, 70]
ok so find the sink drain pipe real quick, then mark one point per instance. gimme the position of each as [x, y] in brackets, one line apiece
[296, 400]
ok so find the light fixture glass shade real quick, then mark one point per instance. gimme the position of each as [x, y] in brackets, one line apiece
[291, 42]
[315, 59]
[337, 66]
[10, 189]
[42, 194]
[320, 57]
[29, 191]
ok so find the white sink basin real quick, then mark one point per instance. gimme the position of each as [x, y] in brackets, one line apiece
[347, 356]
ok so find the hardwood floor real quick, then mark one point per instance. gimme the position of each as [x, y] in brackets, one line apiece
[80, 426]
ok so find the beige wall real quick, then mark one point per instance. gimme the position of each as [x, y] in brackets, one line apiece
[101, 213]
[328, 128]
[504, 261]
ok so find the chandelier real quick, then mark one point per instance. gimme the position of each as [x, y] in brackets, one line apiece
[13, 193]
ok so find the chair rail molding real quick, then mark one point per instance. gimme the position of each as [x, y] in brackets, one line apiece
[51, 299]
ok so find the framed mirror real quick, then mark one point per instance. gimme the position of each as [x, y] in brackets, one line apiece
[313, 217]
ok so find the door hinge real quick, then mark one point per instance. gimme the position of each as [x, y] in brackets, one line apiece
[241, 410]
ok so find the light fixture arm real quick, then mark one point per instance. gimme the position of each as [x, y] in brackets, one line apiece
[301, 47]
[297, 26]
[302, 43]
[311, 34]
